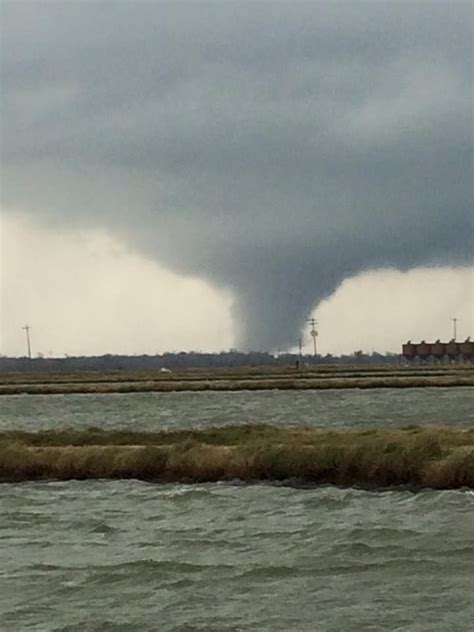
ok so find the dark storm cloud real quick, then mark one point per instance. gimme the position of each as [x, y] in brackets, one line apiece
[273, 148]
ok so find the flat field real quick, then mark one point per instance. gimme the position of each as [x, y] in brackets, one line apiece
[252, 378]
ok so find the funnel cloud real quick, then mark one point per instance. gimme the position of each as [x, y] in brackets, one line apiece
[274, 149]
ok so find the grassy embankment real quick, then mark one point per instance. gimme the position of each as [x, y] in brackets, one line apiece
[414, 456]
[258, 378]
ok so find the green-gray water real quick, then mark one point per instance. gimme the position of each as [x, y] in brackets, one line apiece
[133, 556]
[154, 411]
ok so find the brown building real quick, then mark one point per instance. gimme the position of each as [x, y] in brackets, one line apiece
[439, 350]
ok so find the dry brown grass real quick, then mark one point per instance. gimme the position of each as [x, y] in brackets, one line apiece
[413, 456]
[293, 383]
[257, 378]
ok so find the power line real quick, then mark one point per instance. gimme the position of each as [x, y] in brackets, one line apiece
[314, 334]
[455, 322]
[28, 341]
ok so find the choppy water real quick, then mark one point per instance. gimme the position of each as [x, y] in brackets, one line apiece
[153, 411]
[131, 556]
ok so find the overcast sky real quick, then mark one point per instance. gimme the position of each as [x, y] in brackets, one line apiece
[200, 175]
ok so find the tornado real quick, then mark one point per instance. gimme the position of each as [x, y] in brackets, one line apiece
[271, 149]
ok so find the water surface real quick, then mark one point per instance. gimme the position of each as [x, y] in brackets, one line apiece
[133, 556]
[129, 556]
[154, 411]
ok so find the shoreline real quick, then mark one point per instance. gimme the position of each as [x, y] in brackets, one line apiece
[230, 385]
[418, 457]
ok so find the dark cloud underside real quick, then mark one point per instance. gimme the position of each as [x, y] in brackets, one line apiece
[273, 148]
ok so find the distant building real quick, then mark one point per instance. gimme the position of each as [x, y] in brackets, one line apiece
[452, 350]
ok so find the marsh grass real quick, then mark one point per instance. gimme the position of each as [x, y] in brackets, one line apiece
[220, 379]
[435, 457]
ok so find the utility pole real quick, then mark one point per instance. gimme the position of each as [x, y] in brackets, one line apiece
[455, 322]
[314, 334]
[28, 341]
[300, 347]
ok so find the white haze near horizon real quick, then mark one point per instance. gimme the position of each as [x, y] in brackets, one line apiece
[85, 292]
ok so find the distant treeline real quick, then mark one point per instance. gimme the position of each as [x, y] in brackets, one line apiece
[185, 360]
